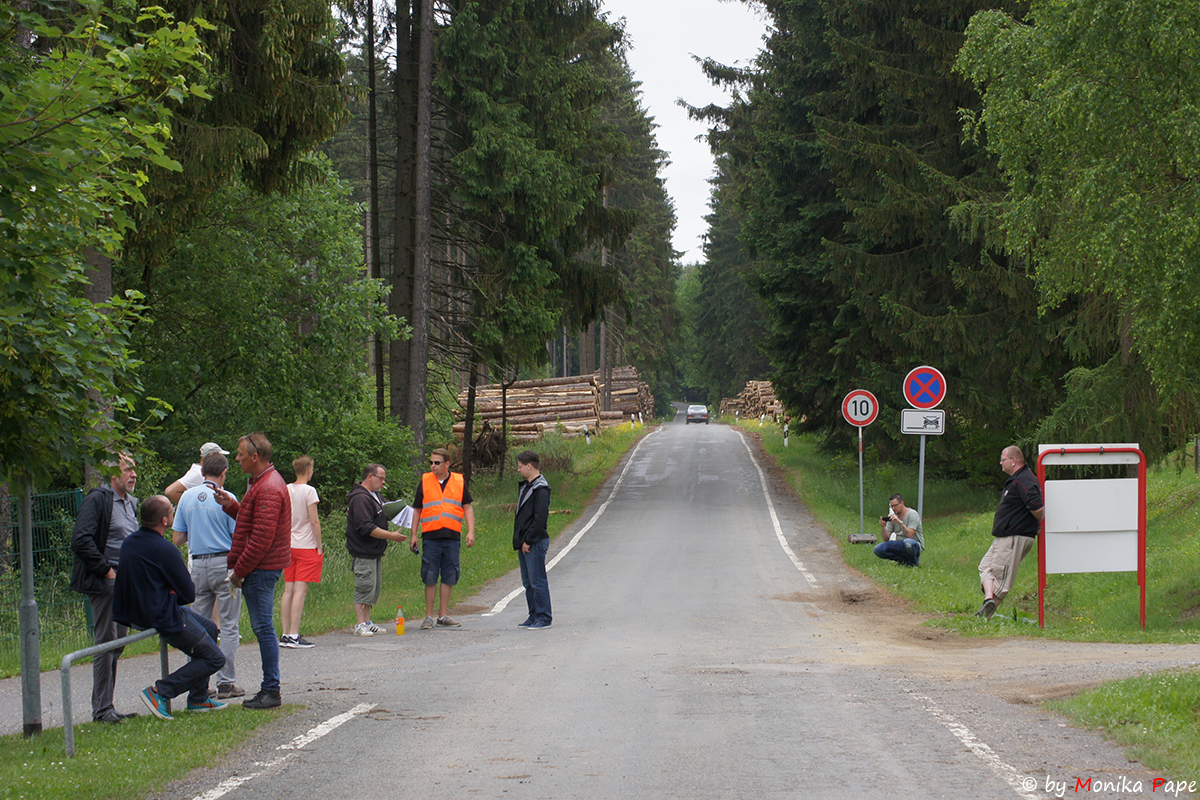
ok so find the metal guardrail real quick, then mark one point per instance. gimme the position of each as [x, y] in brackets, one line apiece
[69, 658]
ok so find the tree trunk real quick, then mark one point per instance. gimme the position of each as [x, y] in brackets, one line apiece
[405, 229]
[98, 289]
[472, 382]
[376, 260]
[6, 525]
[605, 376]
[423, 251]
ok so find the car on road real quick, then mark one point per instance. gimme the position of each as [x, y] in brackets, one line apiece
[697, 414]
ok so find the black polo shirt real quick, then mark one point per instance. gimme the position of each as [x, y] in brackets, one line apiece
[1022, 496]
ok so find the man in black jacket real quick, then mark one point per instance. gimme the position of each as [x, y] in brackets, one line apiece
[1014, 530]
[107, 515]
[152, 588]
[531, 540]
[366, 540]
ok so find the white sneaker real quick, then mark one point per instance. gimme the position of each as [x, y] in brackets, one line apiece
[363, 629]
[374, 628]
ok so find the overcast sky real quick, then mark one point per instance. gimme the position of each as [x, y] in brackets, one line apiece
[664, 36]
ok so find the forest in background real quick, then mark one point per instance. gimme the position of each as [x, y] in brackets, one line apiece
[1004, 190]
[330, 220]
[320, 222]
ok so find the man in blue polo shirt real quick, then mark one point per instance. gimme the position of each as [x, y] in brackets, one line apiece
[208, 532]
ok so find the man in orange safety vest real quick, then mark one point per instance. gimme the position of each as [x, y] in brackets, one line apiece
[443, 502]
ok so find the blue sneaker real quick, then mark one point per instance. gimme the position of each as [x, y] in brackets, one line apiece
[209, 704]
[538, 626]
[156, 703]
[526, 623]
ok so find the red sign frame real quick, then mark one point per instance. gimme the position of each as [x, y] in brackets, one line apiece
[846, 405]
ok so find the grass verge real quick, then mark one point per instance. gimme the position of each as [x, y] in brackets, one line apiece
[957, 526]
[119, 760]
[1155, 715]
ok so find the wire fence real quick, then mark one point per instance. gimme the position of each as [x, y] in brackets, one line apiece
[62, 614]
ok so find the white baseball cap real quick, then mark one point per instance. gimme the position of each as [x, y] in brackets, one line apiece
[211, 447]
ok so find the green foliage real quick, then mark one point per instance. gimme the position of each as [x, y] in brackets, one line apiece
[342, 445]
[647, 323]
[1111, 217]
[845, 154]
[37, 769]
[524, 84]
[688, 356]
[728, 324]
[272, 94]
[84, 114]
[1090, 108]
[259, 319]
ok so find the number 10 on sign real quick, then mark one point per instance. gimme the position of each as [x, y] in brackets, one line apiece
[860, 408]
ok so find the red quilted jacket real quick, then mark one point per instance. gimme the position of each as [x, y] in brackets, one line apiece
[262, 538]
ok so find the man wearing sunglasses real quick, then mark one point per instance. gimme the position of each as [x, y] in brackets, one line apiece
[444, 502]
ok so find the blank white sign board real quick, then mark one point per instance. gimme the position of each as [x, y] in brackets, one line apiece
[1092, 525]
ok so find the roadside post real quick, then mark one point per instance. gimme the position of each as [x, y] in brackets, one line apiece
[860, 408]
[925, 388]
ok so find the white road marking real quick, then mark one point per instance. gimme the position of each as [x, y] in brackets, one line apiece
[1021, 785]
[275, 764]
[762, 478]
[515, 593]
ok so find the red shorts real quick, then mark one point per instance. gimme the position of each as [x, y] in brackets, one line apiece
[305, 567]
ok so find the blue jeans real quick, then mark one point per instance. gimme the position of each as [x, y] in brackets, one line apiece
[533, 578]
[905, 551]
[198, 639]
[259, 590]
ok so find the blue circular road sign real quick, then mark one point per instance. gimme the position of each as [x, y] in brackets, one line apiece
[925, 387]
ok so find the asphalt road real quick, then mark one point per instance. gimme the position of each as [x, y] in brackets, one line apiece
[702, 647]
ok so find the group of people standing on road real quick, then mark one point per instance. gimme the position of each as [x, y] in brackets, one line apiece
[134, 578]
[441, 506]
[1014, 531]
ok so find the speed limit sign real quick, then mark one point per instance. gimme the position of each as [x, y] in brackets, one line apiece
[860, 408]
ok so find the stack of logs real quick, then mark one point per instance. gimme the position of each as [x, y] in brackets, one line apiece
[757, 399]
[536, 406]
[629, 395]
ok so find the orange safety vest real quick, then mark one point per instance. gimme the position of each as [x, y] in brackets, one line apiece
[442, 509]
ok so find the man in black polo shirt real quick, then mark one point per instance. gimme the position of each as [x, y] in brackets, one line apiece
[1014, 530]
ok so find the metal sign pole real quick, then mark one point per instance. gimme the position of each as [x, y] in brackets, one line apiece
[31, 671]
[860, 483]
[921, 482]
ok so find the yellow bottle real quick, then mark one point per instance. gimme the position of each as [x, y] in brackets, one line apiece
[399, 621]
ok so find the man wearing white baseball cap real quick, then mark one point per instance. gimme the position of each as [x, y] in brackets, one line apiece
[193, 477]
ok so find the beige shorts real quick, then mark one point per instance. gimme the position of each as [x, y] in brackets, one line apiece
[368, 580]
[1001, 560]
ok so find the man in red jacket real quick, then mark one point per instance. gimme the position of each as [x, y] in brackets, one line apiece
[262, 547]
